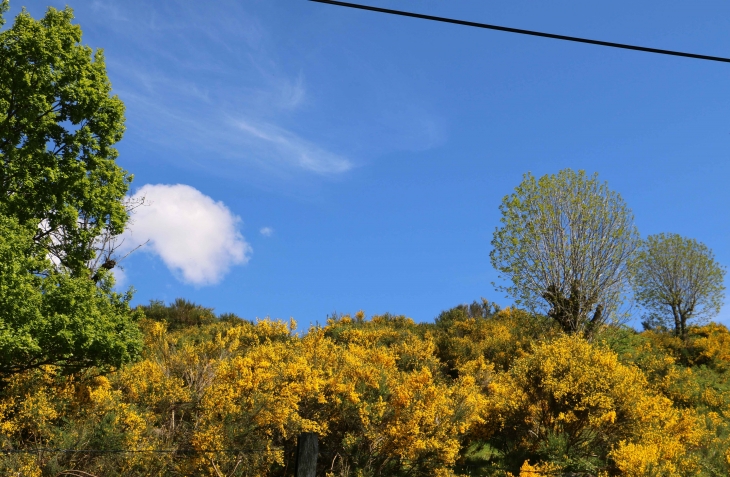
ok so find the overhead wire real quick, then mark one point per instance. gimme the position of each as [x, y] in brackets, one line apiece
[134, 451]
[524, 32]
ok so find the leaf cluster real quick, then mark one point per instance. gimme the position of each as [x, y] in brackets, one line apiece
[50, 317]
[59, 123]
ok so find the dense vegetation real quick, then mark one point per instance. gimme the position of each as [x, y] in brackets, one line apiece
[480, 391]
[91, 387]
[61, 202]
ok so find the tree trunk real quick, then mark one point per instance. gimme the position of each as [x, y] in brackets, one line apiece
[307, 450]
[677, 321]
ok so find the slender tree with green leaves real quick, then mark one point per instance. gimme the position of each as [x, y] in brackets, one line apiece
[677, 280]
[564, 246]
[59, 123]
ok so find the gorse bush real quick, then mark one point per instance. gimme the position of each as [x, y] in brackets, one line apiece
[575, 405]
[494, 392]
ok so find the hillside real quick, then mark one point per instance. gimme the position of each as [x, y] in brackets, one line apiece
[481, 391]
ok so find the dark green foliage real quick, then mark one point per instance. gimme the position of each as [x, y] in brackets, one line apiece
[476, 310]
[557, 448]
[179, 314]
[229, 318]
[482, 329]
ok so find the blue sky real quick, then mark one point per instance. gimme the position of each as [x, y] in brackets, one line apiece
[338, 160]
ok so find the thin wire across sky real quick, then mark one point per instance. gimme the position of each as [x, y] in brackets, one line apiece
[525, 32]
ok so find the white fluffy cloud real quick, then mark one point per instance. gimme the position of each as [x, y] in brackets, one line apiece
[195, 236]
[267, 231]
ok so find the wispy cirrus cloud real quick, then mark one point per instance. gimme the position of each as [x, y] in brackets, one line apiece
[291, 149]
[109, 10]
[293, 93]
[230, 88]
[200, 69]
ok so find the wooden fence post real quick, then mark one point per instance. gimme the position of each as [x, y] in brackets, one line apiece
[307, 450]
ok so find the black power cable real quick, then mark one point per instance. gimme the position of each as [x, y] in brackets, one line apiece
[135, 451]
[524, 32]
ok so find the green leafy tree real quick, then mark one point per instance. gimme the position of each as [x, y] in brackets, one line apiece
[51, 317]
[677, 280]
[565, 245]
[61, 202]
[58, 127]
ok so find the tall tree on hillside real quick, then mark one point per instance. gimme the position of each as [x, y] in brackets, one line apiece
[565, 245]
[61, 197]
[677, 280]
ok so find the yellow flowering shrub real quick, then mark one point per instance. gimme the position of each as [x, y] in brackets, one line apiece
[500, 336]
[386, 396]
[711, 345]
[666, 375]
[541, 469]
[385, 406]
[33, 402]
[707, 345]
[572, 403]
[29, 409]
